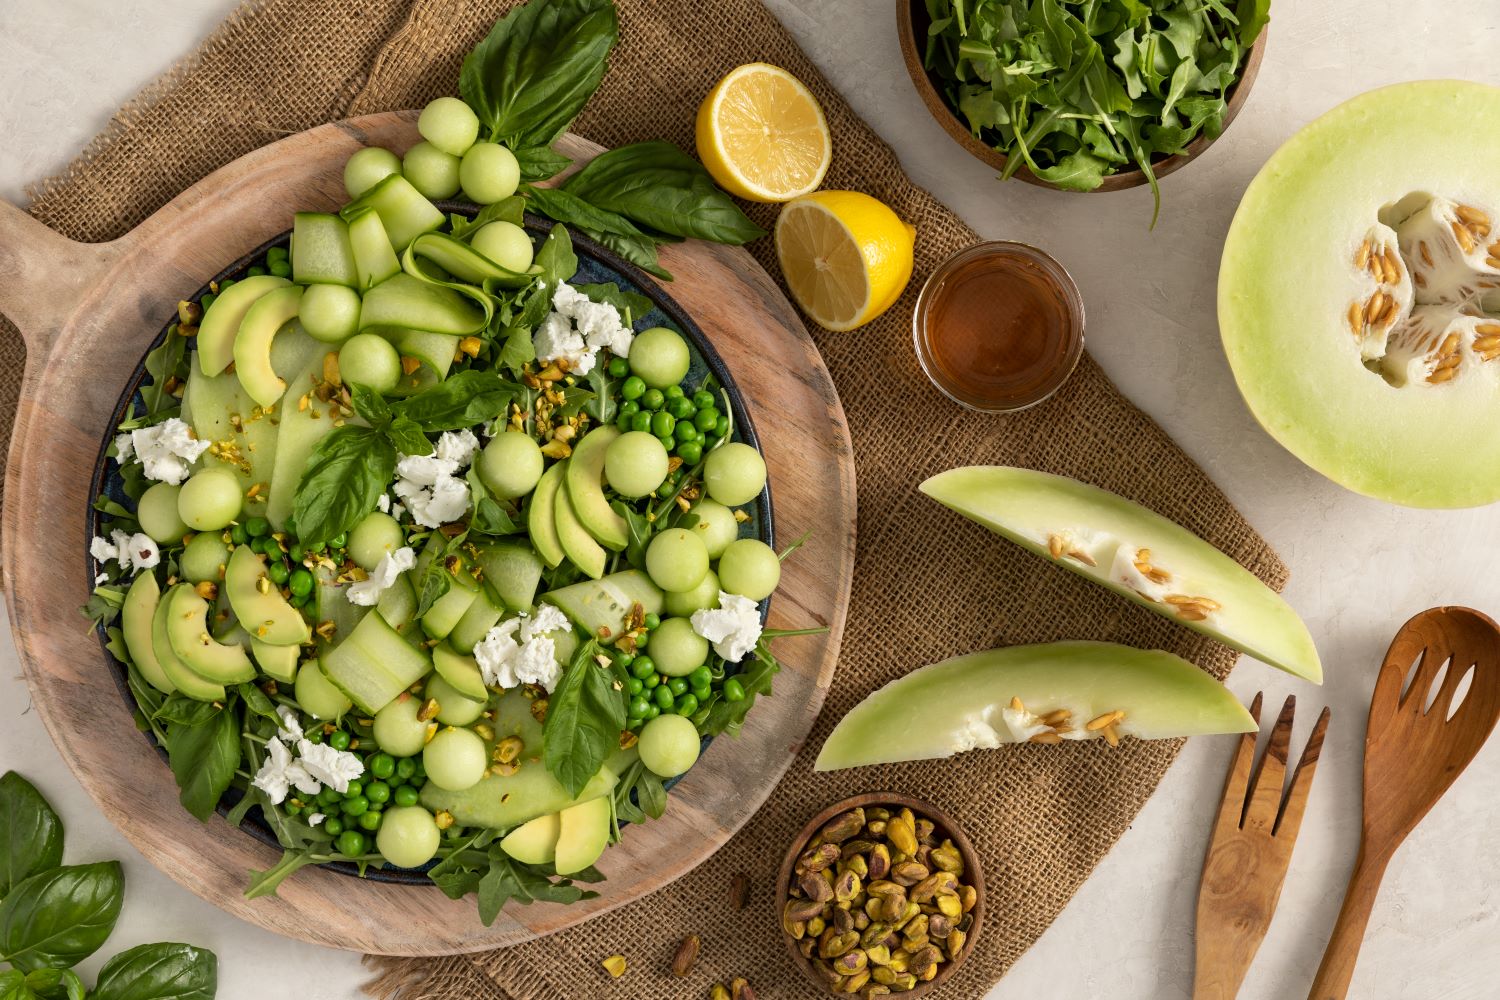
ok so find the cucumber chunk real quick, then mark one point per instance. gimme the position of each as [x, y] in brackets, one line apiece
[412, 304]
[404, 211]
[513, 572]
[321, 253]
[599, 607]
[374, 257]
[374, 664]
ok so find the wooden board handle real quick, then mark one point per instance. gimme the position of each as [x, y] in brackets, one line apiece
[44, 275]
[1337, 970]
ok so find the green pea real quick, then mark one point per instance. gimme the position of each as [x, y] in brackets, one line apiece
[302, 601]
[643, 667]
[629, 407]
[623, 423]
[258, 526]
[721, 427]
[691, 452]
[662, 424]
[333, 825]
[316, 736]
[277, 252]
[680, 407]
[685, 432]
[634, 685]
[663, 696]
[701, 676]
[277, 572]
[639, 706]
[619, 367]
[296, 552]
[702, 692]
[633, 722]
[328, 796]
[301, 582]
[370, 821]
[703, 399]
[293, 808]
[266, 546]
[357, 806]
[706, 420]
[652, 681]
[405, 768]
[674, 392]
[225, 284]
[378, 792]
[351, 843]
[652, 712]
[734, 690]
[339, 541]
[355, 788]
[405, 795]
[710, 441]
[641, 422]
[633, 387]
[652, 399]
[339, 740]
[678, 686]
[687, 705]
[382, 765]
[642, 641]
[254, 271]
[653, 621]
[238, 535]
[281, 269]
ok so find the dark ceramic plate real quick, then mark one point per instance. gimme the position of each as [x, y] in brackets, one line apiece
[595, 264]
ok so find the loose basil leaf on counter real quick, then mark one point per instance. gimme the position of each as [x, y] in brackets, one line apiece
[165, 971]
[463, 400]
[31, 834]
[638, 250]
[44, 984]
[203, 757]
[537, 68]
[341, 481]
[659, 186]
[56, 919]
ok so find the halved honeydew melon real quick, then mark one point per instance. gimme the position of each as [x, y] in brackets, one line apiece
[277, 662]
[541, 516]
[461, 672]
[535, 841]
[221, 321]
[182, 677]
[258, 604]
[252, 345]
[412, 304]
[576, 542]
[512, 571]
[600, 607]
[583, 836]
[200, 652]
[584, 482]
[321, 253]
[374, 257]
[1041, 694]
[135, 622]
[1357, 294]
[298, 433]
[1134, 552]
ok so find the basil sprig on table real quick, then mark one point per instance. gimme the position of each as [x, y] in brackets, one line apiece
[1077, 91]
[54, 916]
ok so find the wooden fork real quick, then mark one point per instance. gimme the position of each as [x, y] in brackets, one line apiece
[1249, 854]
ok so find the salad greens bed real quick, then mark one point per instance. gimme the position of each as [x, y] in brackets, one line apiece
[1076, 90]
[428, 554]
[53, 916]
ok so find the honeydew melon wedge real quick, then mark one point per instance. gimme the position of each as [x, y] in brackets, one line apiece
[135, 622]
[1136, 553]
[252, 345]
[584, 481]
[985, 700]
[200, 652]
[541, 516]
[1357, 294]
[261, 609]
[221, 321]
[185, 680]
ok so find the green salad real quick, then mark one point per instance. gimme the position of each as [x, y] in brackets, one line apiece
[431, 551]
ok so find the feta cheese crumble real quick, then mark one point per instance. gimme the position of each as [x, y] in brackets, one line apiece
[279, 772]
[366, 593]
[166, 450]
[733, 628]
[135, 551]
[334, 768]
[578, 328]
[520, 651]
[429, 484]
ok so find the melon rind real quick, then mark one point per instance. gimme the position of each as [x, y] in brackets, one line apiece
[957, 705]
[1284, 286]
[1026, 507]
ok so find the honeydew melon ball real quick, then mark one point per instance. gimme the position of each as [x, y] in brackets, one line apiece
[676, 560]
[431, 171]
[449, 124]
[329, 313]
[408, 836]
[510, 465]
[676, 649]
[660, 357]
[376, 536]
[204, 558]
[454, 709]
[317, 694]
[669, 745]
[370, 360]
[704, 596]
[1357, 294]
[455, 759]
[635, 464]
[734, 473]
[157, 512]
[397, 729]
[369, 167]
[209, 500]
[488, 173]
[715, 525]
[505, 243]
[749, 567]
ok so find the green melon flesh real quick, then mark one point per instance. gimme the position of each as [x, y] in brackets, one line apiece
[600, 607]
[135, 622]
[1075, 524]
[966, 703]
[297, 436]
[585, 489]
[221, 321]
[265, 614]
[1286, 284]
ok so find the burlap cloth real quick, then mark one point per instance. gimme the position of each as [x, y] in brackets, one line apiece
[927, 584]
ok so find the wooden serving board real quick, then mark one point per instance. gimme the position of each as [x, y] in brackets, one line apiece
[88, 313]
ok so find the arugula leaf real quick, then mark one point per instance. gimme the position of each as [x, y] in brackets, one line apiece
[162, 363]
[557, 262]
[56, 919]
[518, 351]
[462, 400]
[293, 860]
[164, 971]
[538, 163]
[661, 187]
[537, 68]
[633, 306]
[508, 879]
[203, 757]
[755, 677]
[585, 714]
[342, 479]
[31, 834]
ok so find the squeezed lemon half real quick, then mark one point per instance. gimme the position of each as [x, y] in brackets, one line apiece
[762, 136]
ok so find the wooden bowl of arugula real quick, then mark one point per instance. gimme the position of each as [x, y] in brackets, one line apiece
[1203, 66]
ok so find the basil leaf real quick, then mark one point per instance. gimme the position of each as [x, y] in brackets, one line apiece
[58, 918]
[512, 210]
[178, 708]
[162, 363]
[538, 163]
[165, 971]
[661, 187]
[537, 68]
[407, 437]
[435, 583]
[585, 714]
[557, 262]
[564, 206]
[463, 400]
[638, 250]
[52, 984]
[345, 474]
[31, 834]
[13, 985]
[203, 757]
[370, 405]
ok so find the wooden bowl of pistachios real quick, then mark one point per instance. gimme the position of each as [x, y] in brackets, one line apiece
[880, 890]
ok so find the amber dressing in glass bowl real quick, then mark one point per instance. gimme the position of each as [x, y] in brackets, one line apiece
[998, 327]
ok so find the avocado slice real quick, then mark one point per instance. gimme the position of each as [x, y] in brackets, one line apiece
[583, 836]
[541, 516]
[297, 434]
[277, 662]
[252, 344]
[599, 606]
[585, 489]
[185, 680]
[266, 615]
[187, 632]
[135, 622]
[221, 321]
[461, 672]
[535, 841]
[579, 546]
[970, 702]
[512, 571]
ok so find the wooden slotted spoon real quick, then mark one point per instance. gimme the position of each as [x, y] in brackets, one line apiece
[1414, 751]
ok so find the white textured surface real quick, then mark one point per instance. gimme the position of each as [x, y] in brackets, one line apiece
[1359, 567]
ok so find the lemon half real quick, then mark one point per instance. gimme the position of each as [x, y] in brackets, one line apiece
[762, 135]
[846, 256]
